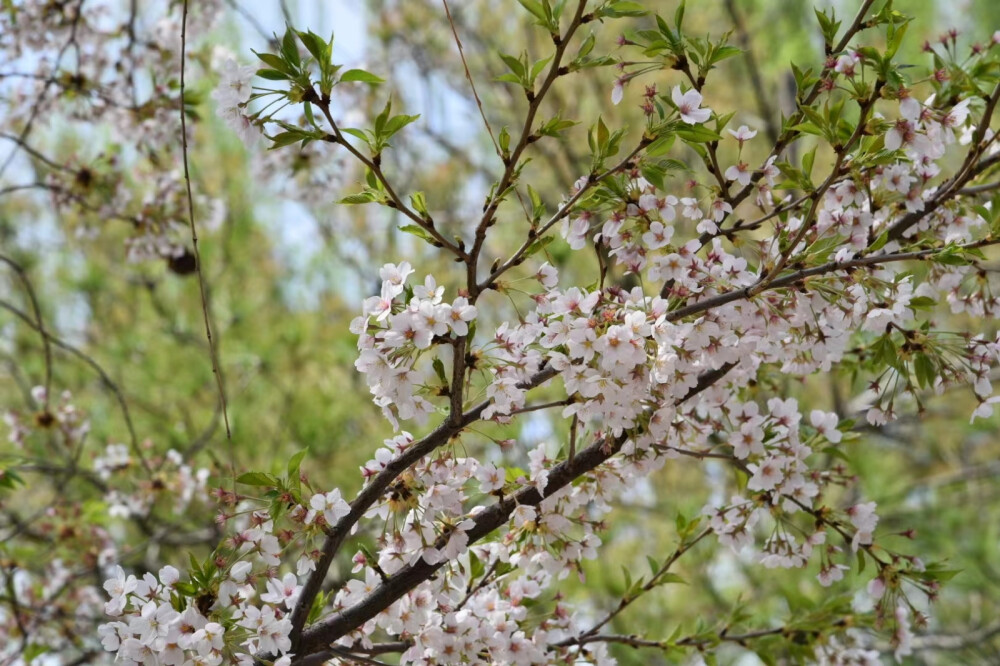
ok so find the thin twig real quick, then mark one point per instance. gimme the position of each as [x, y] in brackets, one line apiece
[323, 633]
[36, 108]
[39, 323]
[108, 382]
[526, 138]
[970, 167]
[479, 102]
[194, 232]
[626, 601]
[468, 77]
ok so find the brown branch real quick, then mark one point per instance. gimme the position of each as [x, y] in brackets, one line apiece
[627, 601]
[395, 202]
[696, 641]
[321, 634]
[527, 136]
[979, 189]
[969, 169]
[371, 493]
[479, 102]
[309, 640]
[943, 642]
[520, 254]
[52, 164]
[800, 275]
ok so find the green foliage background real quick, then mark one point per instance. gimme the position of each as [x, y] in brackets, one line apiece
[281, 313]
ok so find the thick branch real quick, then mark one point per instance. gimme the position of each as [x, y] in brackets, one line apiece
[320, 635]
[371, 493]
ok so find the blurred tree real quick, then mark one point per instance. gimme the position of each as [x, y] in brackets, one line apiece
[285, 271]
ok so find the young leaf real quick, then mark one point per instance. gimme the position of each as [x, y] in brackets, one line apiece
[257, 479]
[361, 76]
[295, 462]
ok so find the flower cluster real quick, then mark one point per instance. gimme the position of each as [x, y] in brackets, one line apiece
[395, 328]
[711, 296]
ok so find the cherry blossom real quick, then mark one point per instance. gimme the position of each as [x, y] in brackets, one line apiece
[688, 105]
[684, 308]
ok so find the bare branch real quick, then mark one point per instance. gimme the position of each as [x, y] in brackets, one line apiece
[213, 352]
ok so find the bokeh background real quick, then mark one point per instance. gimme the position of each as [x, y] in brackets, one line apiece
[286, 268]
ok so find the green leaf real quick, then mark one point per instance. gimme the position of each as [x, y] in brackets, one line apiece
[257, 479]
[661, 146]
[274, 62]
[537, 245]
[536, 202]
[950, 257]
[361, 76]
[668, 578]
[654, 173]
[923, 366]
[895, 39]
[438, 366]
[536, 10]
[879, 242]
[724, 52]
[515, 65]
[359, 198]
[419, 203]
[272, 74]
[9, 478]
[537, 68]
[360, 134]
[397, 123]
[289, 49]
[316, 46]
[808, 160]
[621, 9]
[697, 134]
[836, 452]
[504, 140]
[319, 603]
[286, 139]
[476, 566]
[512, 474]
[602, 133]
[936, 571]
[382, 117]
[807, 128]
[419, 232]
[296, 462]
[32, 651]
[555, 126]
[922, 303]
